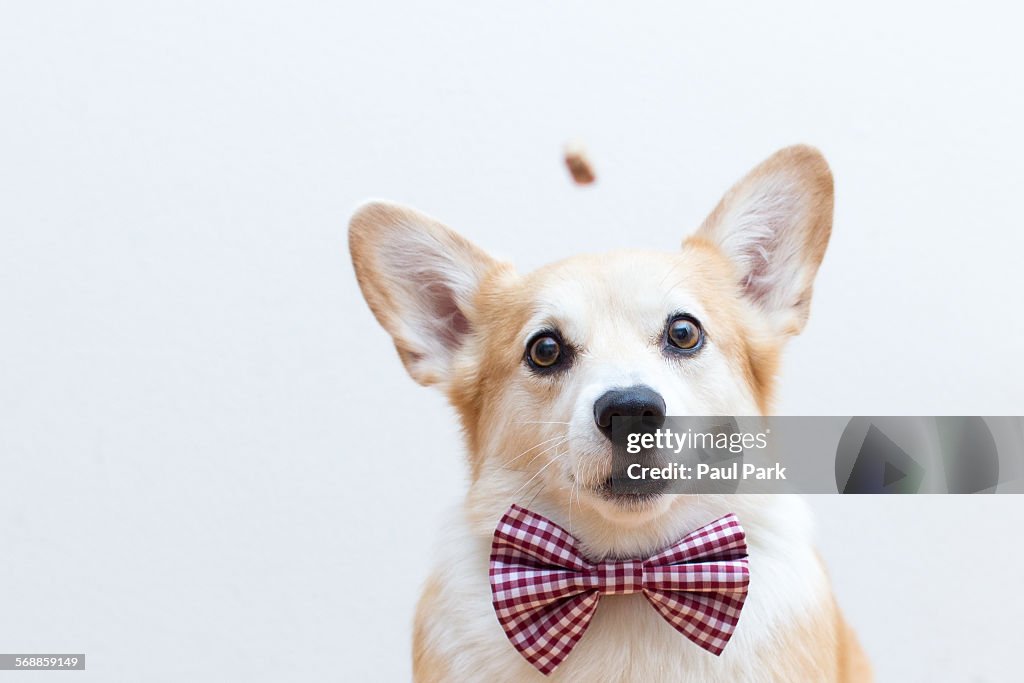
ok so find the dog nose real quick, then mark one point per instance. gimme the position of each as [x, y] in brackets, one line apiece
[637, 401]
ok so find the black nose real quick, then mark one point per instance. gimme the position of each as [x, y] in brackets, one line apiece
[638, 401]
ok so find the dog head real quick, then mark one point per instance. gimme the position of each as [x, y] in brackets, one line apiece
[538, 364]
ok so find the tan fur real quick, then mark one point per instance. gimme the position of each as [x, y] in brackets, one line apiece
[461, 319]
[852, 662]
[427, 665]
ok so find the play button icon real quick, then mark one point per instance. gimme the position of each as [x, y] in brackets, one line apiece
[892, 475]
[869, 460]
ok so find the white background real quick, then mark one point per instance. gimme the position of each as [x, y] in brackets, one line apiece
[200, 422]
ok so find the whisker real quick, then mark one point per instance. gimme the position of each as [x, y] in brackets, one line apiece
[560, 436]
[537, 489]
[575, 485]
[543, 484]
[541, 471]
[548, 449]
[526, 467]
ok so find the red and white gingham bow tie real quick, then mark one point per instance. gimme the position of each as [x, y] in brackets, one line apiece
[545, 592]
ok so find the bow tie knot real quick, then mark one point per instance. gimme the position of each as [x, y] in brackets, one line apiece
[545, 591]
[620, 578]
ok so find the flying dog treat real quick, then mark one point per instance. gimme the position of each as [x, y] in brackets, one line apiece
[578, 164]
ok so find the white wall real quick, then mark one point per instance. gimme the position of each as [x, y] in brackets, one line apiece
[197, 411]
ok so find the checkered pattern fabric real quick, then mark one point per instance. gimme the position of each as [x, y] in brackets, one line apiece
[545, 592]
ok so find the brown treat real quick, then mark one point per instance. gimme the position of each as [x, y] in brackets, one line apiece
[578, 164]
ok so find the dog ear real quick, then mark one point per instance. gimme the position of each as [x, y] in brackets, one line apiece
[773, 226]
[419, 278]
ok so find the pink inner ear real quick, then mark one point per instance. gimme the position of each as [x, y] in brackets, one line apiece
[450, 324]
[757, 283]
[758, 256]
[762, 232]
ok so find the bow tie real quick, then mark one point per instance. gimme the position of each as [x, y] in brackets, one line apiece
[545, 592]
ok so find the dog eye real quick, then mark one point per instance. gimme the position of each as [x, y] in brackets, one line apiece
[684, 333]
[545, 351]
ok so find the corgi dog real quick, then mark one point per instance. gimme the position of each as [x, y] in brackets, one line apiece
[532, 362]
